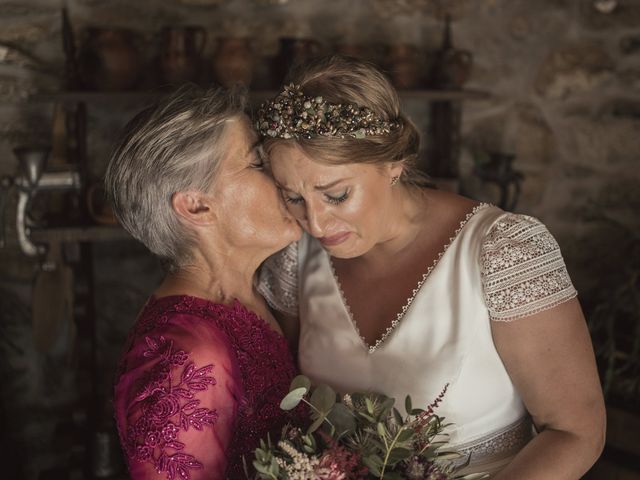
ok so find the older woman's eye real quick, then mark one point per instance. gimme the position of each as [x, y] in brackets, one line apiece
[292, 199]
[337, 199]
[259, 158]
[257, 164]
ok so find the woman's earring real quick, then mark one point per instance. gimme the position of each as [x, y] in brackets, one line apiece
[395, 180]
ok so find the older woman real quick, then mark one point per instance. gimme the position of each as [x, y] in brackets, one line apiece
[206, 365]
[404, 289]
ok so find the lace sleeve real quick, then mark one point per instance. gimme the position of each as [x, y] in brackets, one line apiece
[522, 269]
[176, 403]
[278, 280]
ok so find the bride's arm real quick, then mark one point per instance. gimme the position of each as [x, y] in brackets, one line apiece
[551, 362]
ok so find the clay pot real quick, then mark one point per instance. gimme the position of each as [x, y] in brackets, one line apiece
[452, 67]
[233, 62]
[402, 61]
[181, 53]
[109, 59]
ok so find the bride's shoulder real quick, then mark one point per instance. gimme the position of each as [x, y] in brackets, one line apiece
[448, 206]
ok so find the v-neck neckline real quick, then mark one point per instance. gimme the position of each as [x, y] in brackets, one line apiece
[400, 315]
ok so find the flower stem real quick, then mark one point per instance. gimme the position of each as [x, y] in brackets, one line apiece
[389, 448]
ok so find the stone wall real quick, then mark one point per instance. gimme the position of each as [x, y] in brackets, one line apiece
[564, 78]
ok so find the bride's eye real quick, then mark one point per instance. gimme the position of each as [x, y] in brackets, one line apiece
[337, 199]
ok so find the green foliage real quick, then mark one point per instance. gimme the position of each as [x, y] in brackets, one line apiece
[361, 433]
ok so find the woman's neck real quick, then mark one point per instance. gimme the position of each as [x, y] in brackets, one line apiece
[404, 225]
[219, 278]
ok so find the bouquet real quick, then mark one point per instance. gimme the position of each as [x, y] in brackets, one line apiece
[359, 436]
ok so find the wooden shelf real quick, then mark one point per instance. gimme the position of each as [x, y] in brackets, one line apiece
[257, 95]
[91, 233]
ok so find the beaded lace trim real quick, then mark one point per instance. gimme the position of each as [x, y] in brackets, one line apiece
[399, 316]
[502, 443]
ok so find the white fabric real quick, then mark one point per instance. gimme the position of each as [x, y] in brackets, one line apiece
[444, 336]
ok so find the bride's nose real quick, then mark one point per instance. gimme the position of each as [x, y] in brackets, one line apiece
[316, 219]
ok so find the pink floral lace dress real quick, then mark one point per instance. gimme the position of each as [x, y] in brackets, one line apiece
[199, 384]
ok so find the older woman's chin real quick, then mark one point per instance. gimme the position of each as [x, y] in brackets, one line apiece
[292, 229]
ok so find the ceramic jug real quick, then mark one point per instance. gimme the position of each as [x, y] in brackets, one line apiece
[402, 61]
[109, 59]
[233, 61]
[181, 53]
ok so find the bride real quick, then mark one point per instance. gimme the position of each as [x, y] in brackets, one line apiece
[403, 289]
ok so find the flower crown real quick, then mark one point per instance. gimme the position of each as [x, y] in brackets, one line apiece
[292, 114]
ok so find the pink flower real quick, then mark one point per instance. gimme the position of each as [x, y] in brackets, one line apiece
[328, 469]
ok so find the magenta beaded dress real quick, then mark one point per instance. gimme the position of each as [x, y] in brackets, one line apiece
[199, 384]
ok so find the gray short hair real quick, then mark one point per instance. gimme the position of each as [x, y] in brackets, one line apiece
[172, 146]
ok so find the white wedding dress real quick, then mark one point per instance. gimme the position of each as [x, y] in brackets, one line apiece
[497, 266]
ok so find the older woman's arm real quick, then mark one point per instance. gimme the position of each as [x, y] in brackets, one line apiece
[550, 360]
[176, 400]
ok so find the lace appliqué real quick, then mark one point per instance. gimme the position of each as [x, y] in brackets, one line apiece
[523, 270]
[165, 408]
[278, 280]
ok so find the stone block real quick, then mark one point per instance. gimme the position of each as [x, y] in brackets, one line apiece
[573, 69]
[535, 142]
[607, 144]
[630, 78]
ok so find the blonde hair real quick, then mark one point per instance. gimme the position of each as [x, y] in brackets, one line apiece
[347, 80]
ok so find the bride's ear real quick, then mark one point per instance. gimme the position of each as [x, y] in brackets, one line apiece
[193, 207]
[394, 169]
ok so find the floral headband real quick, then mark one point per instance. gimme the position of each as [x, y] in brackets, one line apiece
[291, 114]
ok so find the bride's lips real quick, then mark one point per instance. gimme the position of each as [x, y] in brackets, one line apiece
[334, 240]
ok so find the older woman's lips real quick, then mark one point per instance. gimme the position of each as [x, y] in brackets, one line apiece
[335, 239]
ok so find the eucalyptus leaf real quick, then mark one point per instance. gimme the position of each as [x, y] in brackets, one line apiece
[299, 382]
[316, 424]
[323, 398]
[342, 419]
[293, 398]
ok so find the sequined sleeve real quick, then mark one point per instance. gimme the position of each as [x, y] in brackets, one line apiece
[523, 271]
[176, 401]
[278, 280]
